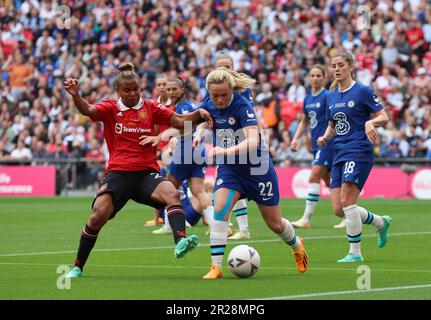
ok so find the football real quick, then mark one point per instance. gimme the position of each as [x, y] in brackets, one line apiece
[243, 261]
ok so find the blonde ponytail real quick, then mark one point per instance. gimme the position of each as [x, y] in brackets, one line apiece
[334, 85]
[236, 80]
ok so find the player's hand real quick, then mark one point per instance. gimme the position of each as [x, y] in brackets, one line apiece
[206, 116]
[294, 145]
[321, 141]
[371, 132]
[71, 85]
[173, 143]
[153, 140]
[196, 141]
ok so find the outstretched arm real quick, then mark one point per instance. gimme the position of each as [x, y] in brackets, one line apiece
[195, 117]
[72, 87]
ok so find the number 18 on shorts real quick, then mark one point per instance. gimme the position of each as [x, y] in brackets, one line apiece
[350, 171]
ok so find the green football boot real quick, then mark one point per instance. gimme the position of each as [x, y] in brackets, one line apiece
[351, 257]
[185, 245]
[382, 235]
[74, 273]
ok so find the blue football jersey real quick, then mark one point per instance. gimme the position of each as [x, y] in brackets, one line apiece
[227, 131]
[184, 107]
[349, 110]
[314, 108]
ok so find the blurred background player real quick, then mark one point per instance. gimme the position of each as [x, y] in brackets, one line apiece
[189, 214]
[187, 163]
[314, 116]
[164, 100]
[237, 140]
[350, 107]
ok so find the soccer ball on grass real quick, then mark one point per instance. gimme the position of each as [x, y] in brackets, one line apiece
[243, 261]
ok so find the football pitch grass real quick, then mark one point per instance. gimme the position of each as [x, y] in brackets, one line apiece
[39, 235]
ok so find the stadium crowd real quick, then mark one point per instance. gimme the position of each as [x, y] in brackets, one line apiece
[274, 41]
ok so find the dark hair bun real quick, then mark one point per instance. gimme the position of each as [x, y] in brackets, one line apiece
[126, 66]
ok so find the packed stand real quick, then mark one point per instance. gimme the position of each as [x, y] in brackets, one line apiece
[275, 42]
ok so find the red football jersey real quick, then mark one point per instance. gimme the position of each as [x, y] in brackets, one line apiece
[122, 128]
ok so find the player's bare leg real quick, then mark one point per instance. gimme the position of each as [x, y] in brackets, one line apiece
[284, 229]
[102, 211]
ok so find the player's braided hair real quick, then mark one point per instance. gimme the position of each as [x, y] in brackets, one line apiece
[346, 57]
[126, 71]
[236, 80]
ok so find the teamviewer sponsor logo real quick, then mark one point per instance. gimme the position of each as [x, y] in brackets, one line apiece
[118, 128]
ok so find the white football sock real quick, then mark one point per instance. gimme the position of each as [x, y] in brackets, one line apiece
[218, 241]
[166, 220]
[241, 214]
[353, 228]
[208, 214]
[289, 236]
[368, 217]
[313, 195]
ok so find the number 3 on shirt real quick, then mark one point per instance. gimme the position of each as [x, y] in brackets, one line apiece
[349, 167]
[342, 126]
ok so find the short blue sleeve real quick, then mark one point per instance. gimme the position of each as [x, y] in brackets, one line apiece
[371, 100]
[185, 107]
[246, 115]
[248, 96]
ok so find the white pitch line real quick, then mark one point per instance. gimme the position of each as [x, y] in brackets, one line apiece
[336, 293]
[204, 244]
[131, 266]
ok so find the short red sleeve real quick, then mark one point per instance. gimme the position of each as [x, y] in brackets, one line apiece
[161, 114]
[104, 109]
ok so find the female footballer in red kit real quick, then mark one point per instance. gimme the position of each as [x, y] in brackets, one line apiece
[132, 172]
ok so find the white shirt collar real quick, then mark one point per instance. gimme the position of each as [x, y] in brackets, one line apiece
[136, 107]
[350, 87]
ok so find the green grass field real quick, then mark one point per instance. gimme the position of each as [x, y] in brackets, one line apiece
[128, 262]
